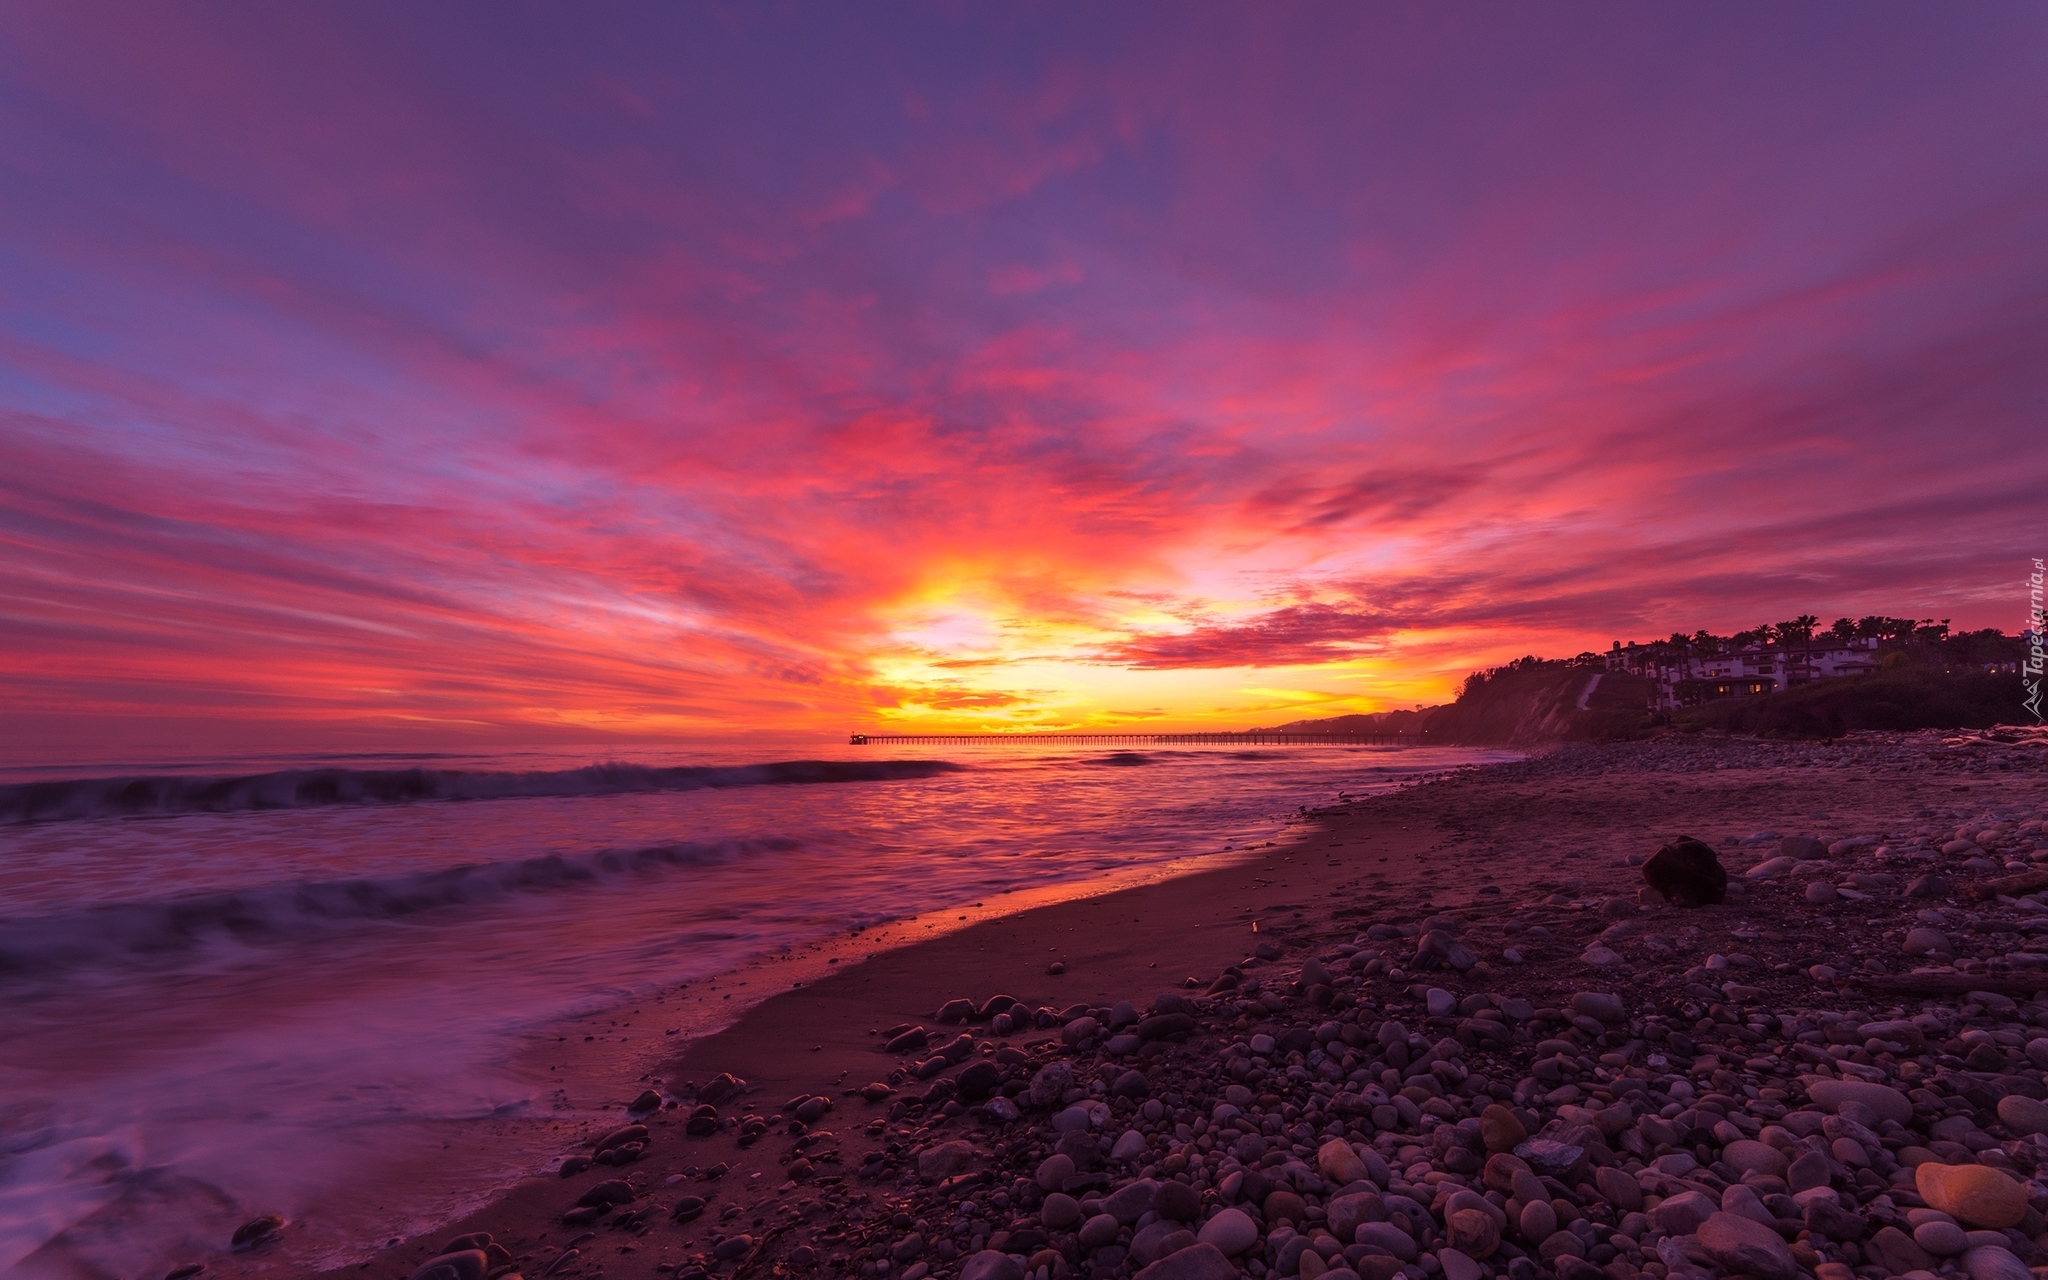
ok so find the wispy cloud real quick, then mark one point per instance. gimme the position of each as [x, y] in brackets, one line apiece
[357, 375]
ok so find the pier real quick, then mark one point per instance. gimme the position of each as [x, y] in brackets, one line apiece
[1250, 738]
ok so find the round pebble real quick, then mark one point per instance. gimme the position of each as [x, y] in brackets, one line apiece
[1972, 1194]
[1102, 1230]
[1231, 1231]
[1942, 1239]
[1059, 1211]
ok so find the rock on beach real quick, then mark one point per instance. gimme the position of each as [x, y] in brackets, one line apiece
[1972, 1194]
[1687, 872]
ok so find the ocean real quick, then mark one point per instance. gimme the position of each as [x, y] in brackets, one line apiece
[328, 988]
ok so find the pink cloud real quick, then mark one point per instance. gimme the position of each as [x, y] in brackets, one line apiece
[1003, 281]
[656, 379]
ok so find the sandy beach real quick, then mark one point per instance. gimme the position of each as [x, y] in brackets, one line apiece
[1554, 994]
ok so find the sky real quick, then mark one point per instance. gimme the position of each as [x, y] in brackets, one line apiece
[395, 374]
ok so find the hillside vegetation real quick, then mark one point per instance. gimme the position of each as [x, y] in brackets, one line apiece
[1535, 700]
[1904, 698]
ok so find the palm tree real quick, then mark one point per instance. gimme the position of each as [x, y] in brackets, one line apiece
[1800, 629]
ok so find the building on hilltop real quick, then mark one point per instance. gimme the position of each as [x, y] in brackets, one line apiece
[1683, 679]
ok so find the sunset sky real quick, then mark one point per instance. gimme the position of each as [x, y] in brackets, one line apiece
[408, 373]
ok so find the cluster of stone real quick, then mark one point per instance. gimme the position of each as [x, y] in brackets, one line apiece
[1971, 752]
[1342, 1143]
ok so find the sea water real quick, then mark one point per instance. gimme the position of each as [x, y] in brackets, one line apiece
[329, 989]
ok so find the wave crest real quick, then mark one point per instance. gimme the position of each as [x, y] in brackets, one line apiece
[291, 912]
[80, 798]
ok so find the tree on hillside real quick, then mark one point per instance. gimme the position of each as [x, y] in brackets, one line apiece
[1798, 631]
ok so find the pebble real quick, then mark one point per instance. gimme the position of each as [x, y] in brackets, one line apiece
[2021, 1114]
[1551, 1157]
[1500, 1129]
[945, 1159]
[1157, 1239]
[1132, 1201]
[1995, 1262]
[1054, 1170]
[1895, 1251]
[1473, 1232]
[1888, 1103]
[1601, 1006]
[1387, 1236]
[1338, 1163]
[1972, 1194]
[1942, 1239]
[1457, 1265]
[1100, 1230]
[1928, 886]
[1747, 1155]
[1742, 1201]
[255, 1231]
[1618, 1189]
[1230, 1232]
[990, 1264]
[463, 1264]
[1050, 1084]
[1748, 1247]
[1059, 1211]
[1682, 1214]
[1808, 1170]
[1924, 941]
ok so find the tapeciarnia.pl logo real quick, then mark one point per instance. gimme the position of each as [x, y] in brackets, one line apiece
[2030, 671]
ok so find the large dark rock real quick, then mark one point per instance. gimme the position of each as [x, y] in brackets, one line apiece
[1687, 872]
[977, 1082]
[1163, 1025]
[724, 1085]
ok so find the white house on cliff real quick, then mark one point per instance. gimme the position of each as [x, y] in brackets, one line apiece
[1683, 681]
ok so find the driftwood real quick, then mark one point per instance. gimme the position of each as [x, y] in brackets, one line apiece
[2024, 882]
[753, 1257]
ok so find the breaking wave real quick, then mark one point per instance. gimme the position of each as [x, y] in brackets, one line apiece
[313, 788]
[292, 912]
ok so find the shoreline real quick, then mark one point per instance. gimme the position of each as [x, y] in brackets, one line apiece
[816, 1040]
[823, 1028]
[419, 1097]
